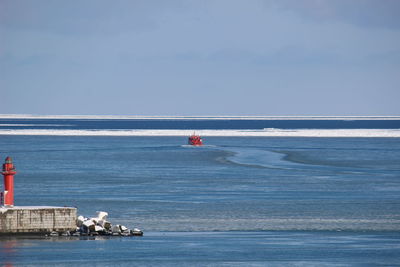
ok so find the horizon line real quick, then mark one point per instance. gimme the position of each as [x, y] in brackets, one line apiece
[202, 117]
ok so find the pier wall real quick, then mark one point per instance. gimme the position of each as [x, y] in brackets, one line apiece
[29, 219]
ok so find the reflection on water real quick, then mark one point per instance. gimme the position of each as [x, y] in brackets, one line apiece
[8, 248]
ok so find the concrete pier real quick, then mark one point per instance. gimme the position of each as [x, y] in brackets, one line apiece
[36, 219]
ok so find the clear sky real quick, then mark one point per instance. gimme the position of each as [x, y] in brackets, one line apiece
[190, 57]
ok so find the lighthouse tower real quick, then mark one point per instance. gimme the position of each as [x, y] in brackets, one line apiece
[8, 173]
[30, 219]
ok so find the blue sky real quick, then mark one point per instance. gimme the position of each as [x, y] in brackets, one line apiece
[249, 57]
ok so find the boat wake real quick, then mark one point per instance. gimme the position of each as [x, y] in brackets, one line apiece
[260, 158]
[202, 146]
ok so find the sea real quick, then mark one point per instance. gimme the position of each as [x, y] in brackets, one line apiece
[261, 191]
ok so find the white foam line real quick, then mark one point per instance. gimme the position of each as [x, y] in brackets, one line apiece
[127, 117]
[257, 133]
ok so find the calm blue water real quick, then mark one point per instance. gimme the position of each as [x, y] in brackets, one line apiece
[250, 201]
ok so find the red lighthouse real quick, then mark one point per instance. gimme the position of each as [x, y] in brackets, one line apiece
[8, 173]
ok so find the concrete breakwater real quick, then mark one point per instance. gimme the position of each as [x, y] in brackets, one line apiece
[36, 219]
[49, 220]
[57, 221]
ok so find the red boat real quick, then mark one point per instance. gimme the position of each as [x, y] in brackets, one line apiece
[195, 140]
